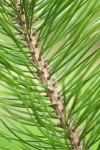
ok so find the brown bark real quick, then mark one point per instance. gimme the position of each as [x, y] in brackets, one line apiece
[44, 75]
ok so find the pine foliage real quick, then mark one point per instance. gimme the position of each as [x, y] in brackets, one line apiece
[67, 34]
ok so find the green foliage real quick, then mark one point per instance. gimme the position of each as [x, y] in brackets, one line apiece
[67, 32]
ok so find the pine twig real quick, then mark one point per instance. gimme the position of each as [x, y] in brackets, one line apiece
[44, 75]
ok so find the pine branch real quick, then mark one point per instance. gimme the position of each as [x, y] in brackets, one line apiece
[51, 91]
[45, 78]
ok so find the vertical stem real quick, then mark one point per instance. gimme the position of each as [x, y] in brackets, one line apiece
[44, 75]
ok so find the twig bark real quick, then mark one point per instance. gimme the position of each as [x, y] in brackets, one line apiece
[44, 75]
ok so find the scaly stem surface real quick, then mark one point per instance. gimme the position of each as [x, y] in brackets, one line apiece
[44, 75]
